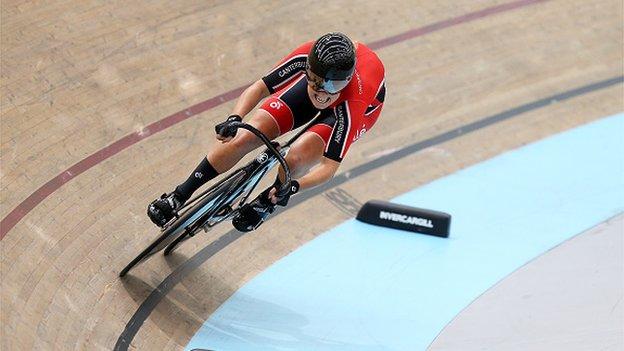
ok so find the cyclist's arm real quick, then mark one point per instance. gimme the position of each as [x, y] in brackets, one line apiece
[250, 98]
[320, 174]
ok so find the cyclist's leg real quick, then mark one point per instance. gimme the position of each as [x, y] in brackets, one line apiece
[223, 156]
[307, 151]
[304, 153]
[278, 114]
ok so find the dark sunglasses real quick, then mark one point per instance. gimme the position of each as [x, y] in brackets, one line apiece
[328, 86]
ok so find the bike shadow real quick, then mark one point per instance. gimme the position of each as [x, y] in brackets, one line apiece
[176, 307]
[203, 285]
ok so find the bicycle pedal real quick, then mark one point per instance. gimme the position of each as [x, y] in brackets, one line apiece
[164, 227]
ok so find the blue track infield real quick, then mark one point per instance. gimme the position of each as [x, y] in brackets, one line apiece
[360, 287]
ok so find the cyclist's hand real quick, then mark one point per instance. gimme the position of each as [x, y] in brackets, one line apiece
[225, 130]
[281, 197]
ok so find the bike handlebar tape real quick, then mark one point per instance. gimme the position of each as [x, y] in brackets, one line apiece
[413, 219]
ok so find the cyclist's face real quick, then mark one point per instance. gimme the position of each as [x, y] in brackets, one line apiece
[320, 98]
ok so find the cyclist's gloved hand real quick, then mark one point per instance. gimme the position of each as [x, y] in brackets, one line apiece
[281, 196]
[226, 130]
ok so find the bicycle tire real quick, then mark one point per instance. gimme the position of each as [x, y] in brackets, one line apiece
[146, 253]
[175, 243]
[168, 236]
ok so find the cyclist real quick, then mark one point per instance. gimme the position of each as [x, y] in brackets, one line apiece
[341, 80]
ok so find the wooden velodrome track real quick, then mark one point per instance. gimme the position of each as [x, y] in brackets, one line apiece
[84, 83]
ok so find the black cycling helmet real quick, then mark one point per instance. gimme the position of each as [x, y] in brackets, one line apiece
[332, 62]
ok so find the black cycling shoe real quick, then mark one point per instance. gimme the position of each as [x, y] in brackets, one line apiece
[253, 214]
[162, 210]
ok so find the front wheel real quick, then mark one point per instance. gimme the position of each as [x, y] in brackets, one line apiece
[169, 249]
[153, 248]
[200, 211]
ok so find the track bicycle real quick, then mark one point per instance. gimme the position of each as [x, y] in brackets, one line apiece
[223, 200]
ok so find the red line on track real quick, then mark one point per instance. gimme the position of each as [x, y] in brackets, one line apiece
[96, 158]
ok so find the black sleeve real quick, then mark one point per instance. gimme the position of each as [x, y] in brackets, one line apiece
[285, 72]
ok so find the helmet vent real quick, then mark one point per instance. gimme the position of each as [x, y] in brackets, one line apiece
[335, 50]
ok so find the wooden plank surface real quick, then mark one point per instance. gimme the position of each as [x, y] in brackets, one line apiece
[79, 75]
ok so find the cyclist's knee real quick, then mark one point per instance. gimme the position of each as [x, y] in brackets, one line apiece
[267, 124]
[306, 152]
[243, 143]
[300, 163]
[295, 161]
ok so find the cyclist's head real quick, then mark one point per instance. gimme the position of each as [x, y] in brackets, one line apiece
[331, 63]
